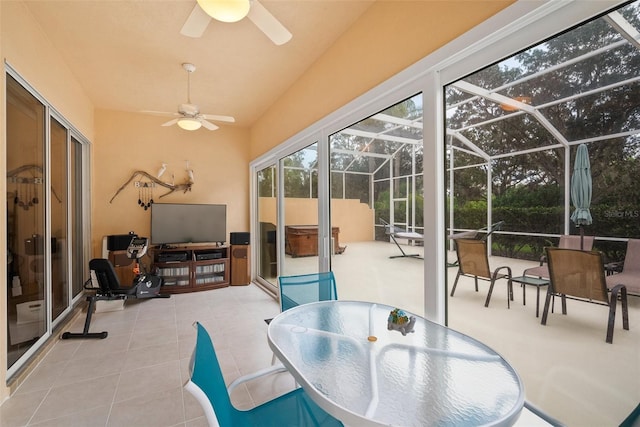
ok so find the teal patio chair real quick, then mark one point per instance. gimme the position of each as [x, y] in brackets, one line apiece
[306, 288]
[303, 289]
[206, 384]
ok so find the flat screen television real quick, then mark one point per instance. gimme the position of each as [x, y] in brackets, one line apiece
[174, 223]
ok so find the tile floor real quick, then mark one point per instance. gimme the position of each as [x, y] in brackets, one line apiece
[135, 376]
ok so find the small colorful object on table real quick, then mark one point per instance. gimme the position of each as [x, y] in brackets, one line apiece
[399, 321]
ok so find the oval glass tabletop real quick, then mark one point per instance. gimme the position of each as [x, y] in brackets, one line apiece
[348, 360]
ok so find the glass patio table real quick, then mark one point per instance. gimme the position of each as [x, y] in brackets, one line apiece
[348, 361]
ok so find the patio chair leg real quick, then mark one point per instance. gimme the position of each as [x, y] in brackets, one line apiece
[455, 283]
[494, 277]
[545, 311]
[564, 303]
[625, 309]
[486, 303]
[622, 291]
[476, 279]
[509, 295]
[612, 318]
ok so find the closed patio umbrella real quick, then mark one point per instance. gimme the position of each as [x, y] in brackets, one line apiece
[581, 188]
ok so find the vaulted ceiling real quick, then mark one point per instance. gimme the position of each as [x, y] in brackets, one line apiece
[128, 54]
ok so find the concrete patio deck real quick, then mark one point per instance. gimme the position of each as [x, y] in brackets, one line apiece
[567, 367]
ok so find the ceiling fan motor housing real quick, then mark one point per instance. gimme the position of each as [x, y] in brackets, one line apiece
[190, 110]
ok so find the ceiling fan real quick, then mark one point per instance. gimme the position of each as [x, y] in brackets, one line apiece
[233, 11]
[189, 114]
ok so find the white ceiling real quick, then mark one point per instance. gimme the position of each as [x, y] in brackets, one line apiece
[128, 54]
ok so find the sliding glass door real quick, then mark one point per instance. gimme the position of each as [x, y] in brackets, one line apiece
[26, 201]
[287, 232]
[59, 218]
[376, 189]
[341, 201]
[45, 220]
[266, 227]
[300, 211]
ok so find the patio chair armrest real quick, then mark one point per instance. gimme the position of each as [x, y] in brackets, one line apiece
[618, 289]
[509, 275]
[274, 369]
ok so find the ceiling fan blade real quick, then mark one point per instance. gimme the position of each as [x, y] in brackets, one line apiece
[196, 23]
[208, 125]
[268, 23]
[218, 118]
[159, 113]
[170, 122]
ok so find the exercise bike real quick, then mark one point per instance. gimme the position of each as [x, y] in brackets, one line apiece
[106, 285]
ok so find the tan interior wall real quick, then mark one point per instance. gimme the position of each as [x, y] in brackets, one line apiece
[27, 49]
[24, 46]
[355, 219]
[128, 142]
[390, 36]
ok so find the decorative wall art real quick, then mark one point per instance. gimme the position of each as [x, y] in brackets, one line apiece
[147, 182]
[28, 182]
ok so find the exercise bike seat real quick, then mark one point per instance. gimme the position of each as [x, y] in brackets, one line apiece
[108, 279]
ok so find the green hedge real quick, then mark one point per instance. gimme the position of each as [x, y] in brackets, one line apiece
[621, 220]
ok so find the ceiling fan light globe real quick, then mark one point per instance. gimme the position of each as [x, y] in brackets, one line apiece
[189, 123]
[225, 10]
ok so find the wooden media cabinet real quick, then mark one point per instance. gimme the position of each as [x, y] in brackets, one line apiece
[191, 268]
